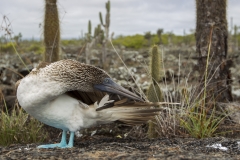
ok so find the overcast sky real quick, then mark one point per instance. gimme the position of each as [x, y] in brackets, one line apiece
[128, 17]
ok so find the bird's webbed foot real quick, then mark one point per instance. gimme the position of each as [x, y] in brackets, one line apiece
[62, 144]
[59, 145]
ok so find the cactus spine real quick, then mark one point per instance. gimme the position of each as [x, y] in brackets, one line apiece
[51, 31]
[154, 93]
[106, 36]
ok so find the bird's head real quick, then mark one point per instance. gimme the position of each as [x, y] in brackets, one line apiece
[109, 86]
[99, 80]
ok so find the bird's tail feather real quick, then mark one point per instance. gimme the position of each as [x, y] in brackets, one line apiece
[130, 113]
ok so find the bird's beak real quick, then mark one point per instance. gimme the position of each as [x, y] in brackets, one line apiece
[110, 86]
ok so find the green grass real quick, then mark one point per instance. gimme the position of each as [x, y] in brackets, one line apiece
[200, 119]
[18, 127]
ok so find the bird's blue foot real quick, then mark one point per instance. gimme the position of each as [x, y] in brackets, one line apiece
[59, 145]
[62, 144]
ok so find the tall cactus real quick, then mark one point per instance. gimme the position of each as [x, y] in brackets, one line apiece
[51, 31]
[89, 28]
[98, 37]
[154, 93]
[88, 35]
[106, 36]
[159, 34]
[89, 43]
[99, 34]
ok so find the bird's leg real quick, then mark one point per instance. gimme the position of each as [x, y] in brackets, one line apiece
[63, 140]
[62, 144]
[71, 140]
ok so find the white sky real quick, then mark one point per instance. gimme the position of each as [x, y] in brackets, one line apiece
[128, 17]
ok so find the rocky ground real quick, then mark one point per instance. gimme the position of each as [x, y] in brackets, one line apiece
[102, 147]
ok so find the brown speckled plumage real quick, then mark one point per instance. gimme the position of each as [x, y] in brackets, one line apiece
[74, 75]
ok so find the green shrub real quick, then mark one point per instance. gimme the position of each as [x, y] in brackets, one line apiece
[71, 42]
[36, 48]
[7, 47]
[136, 41]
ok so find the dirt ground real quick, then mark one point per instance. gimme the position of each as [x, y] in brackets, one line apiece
[103, 146]
[99, 147]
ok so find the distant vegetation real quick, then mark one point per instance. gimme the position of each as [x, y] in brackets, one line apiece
[138, 41]
[25, 46]
[132, 42]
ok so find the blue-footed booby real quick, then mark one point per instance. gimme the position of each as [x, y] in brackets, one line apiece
[70, 95]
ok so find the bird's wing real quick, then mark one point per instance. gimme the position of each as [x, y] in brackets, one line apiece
[87, 97]
[90, 98]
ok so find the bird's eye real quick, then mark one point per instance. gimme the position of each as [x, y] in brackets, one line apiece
[106, 80]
